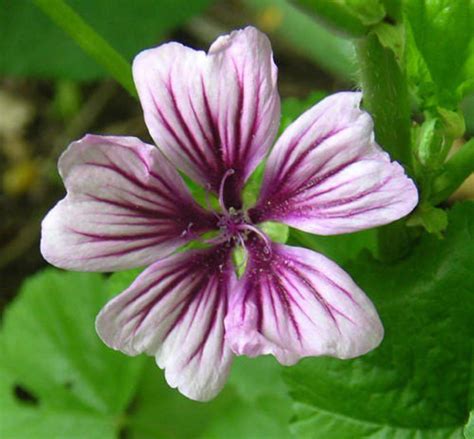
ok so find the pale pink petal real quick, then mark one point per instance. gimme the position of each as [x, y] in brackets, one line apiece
[175, 311]
[294, 303]
[326, 175]
[126, 206]
[212, 112]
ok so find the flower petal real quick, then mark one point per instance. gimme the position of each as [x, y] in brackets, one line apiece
[294, 303]
[327, 176]
[175, 311]
[215, 112]
[125, 207]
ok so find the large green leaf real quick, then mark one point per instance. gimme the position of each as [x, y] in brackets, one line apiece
[417, 383]
[58, 379]
[261, 408]
[32, 45]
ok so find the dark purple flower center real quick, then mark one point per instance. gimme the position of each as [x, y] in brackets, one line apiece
[231, 222]
[234, 224]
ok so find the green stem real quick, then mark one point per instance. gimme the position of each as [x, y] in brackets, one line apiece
[386, 98]
[455, 171]
[89, 40]
[393, 241]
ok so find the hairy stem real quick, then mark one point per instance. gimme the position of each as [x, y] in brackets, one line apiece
[89, 41]
[386, 98]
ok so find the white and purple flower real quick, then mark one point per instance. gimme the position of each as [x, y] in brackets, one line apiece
[214, 116]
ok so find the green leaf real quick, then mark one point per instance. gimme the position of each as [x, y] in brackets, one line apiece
[120, 281]
[161, 412]
[418, 74]
[77, 387]
[263, 407]
[469, 428]
[459, 167]
[292, 108]
[42, 49]
[429, 144]
[393, 9]
[417, 383]
[453, 121]
[253, 404]
[442, 33]
[391, 37]
[57, 379]
[340, 248]
[433, 219]
[369, 12]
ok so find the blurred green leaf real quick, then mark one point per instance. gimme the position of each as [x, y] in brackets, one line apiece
[50, 351]
[292, 108]
[429, 143]
[391, 37]
[453, 173]
[120, 281]
[32, 45]
[161, 412]
[262, 409]
[469, 428]
[453, 121]
[57, 379]
[442, 33]
[418, 74]
[417, 383]
[352, 17]
[393, 9]
[467, 107]
[305, 36]
[340, 248]
[433, 219]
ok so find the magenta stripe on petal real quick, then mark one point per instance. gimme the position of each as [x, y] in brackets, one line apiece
[294, 303]
[126, 206]
[327, 176]
[212, 112]
[175, 311]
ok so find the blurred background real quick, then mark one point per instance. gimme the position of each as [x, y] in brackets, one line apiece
[51, 92]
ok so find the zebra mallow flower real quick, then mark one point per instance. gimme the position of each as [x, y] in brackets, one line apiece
[214, 116]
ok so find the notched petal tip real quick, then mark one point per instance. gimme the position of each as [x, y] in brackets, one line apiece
[211, 112]
[175, 312]
[299, 304]
[326, 175]
[125, 207]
